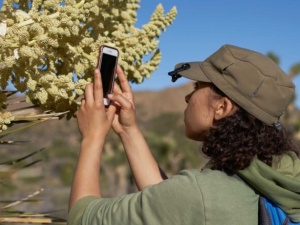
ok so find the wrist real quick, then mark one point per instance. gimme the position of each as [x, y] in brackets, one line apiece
[131, 131]
[92, 144]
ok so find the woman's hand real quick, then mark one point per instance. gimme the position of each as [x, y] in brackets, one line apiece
[125, 118]
[142, 163]
[94, 120]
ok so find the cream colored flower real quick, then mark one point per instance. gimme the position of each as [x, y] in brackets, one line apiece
[5, 119]
[58, 45]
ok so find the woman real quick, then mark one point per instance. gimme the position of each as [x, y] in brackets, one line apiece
[234, 110]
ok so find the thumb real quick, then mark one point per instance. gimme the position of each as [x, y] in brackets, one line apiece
[111, 111]
[121, 101]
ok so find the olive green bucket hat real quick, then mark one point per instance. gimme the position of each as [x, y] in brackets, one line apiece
[249, 78]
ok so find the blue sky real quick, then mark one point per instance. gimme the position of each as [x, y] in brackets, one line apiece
[202, 26]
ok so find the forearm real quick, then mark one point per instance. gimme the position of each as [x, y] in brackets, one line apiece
[144, 167]
[86, 179]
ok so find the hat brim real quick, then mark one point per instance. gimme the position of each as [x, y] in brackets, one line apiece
[195, 72]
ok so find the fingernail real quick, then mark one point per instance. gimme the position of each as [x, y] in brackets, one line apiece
[110, 95]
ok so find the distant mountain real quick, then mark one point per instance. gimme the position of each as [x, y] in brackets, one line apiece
[152, 103]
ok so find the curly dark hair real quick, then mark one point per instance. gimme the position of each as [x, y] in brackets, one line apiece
[235, 140]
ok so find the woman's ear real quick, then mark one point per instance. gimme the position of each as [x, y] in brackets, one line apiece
[224, 107]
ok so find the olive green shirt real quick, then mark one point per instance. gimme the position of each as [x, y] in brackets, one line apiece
[208, 197]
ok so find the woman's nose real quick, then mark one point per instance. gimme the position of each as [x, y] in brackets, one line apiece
[187, 98]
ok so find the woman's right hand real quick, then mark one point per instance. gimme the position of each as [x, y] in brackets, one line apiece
[142, 163]
[125, 118]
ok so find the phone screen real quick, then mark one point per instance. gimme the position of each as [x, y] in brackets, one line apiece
[107, 72]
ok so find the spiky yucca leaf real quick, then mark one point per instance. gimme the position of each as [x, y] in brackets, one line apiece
[24, 115]
[12, 162]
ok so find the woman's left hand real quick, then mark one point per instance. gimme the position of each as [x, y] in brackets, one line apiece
[94, 120]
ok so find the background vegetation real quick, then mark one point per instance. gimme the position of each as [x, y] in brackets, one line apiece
[39, 153]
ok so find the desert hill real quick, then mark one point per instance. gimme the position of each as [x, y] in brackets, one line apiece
[152, 103]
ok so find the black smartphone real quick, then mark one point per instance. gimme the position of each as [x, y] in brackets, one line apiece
[107, 64]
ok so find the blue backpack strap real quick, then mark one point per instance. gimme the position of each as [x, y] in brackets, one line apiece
[268, 212]
[264, 217]
[271, 214]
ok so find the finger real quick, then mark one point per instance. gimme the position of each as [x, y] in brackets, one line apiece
[128, 96]
[111, 111]
[117, 89]
[88, 94]
[123, 80]
[82, 101]
[78, 112]
[121, 101]
[98, 90]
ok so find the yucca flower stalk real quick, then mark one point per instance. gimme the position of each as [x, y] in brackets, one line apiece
[50, 48]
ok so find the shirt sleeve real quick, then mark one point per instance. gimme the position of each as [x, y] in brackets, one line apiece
[78, 208]
[177, 200]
